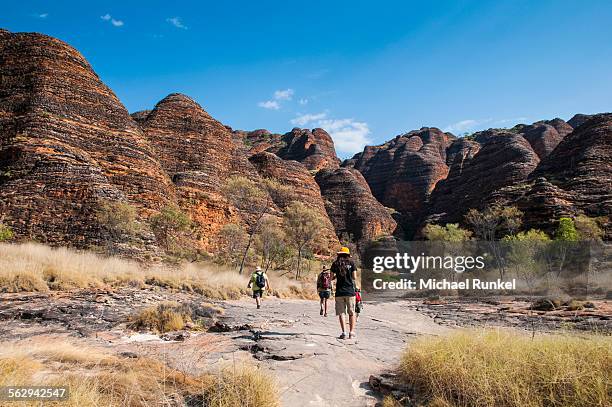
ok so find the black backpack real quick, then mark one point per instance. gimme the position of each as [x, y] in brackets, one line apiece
[260, 279]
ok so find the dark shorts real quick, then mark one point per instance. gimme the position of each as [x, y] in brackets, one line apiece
[258, 293]
[324, 294]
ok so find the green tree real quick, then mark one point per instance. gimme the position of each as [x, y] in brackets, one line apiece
[303, 227]
[254, 201]
[170, 227]
[271, 244]
[451, 232]
[495, 218]
[6, 233]
[490, 222]
[566, 231]
[118, 221]
[529, 236]
[588, 229]
[527, 255]
[232, 238]
[565, 234]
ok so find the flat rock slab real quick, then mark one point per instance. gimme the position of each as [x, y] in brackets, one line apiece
[314, 367]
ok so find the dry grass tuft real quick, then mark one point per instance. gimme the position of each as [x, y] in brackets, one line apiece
[500, 368]
[95, 378]
[389, 401]
[34, 267]
[172, 316]
[243, 386]
[165, 317]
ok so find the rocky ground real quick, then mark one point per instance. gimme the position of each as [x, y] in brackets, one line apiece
[286, 337]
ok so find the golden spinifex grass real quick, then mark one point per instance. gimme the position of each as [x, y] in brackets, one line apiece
[95, 377]
[504, 368]
[35, 267]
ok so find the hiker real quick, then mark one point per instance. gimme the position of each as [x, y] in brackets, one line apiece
[345, 274]
[324, 288]
[259, 283]
[358, 303]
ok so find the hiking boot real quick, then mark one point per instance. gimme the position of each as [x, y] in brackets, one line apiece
[258, 306]
[321, 312]
[352, 335]
[342, 336]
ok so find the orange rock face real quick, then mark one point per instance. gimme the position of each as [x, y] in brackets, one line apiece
[302, 185]
[313, 148]
[351, 207]
[403, 172]
[66, 144]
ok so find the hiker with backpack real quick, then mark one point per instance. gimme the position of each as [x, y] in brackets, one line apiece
[324, 288]
[345, 273]
[259, 283]
[358, 303]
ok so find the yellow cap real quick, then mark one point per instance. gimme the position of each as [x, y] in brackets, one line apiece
[344, 250]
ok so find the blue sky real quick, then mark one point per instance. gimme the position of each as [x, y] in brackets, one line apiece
[364, 70]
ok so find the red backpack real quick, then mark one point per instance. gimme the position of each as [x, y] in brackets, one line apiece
[324, 281]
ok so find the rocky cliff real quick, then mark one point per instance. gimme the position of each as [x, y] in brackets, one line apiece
[492, 160]
[301, 184]
[544, 136]
[313, 148]
[198, 154]
[403, 172]
[67, 144]
[580, 168]
[351, 206]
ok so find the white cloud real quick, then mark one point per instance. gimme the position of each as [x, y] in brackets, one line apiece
[269, 104]
[278, 97]
[43, 15]
[462, 126]
[108, 17]
[304, 119]
[514, 120]
[479, 124]
[285, 94]
[176, 21]
[350, 136]
[303, 101]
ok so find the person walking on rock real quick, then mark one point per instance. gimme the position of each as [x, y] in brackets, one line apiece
[259, 283]
[345, 273]
[324, 288]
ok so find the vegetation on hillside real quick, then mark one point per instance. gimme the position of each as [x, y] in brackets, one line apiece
[34, 267]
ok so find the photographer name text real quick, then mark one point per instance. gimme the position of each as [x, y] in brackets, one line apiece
[443, 284]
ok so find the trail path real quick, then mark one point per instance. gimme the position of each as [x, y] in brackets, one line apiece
[313, 367]
[286, 337]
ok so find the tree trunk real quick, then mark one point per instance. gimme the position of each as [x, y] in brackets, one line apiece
[299, 263]
[246, 251]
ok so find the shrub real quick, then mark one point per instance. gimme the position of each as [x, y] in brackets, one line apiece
[566, 231]
[169, 226]
[6, 233]
[499, 368]
[588, 228]
[118, 219]
[451, 232]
